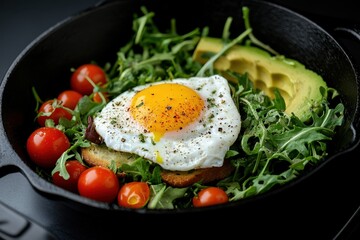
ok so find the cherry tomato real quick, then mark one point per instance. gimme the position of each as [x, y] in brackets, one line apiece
[74, 168]
[55, 113]
[210, 196]
[79, 79]
[97, 98]
[99, 183]
[69, 98]
[134, 195]
[45, 145]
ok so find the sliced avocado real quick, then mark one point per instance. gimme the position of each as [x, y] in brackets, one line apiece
[300, 87]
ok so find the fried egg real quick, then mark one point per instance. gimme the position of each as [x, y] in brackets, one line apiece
[180, 124]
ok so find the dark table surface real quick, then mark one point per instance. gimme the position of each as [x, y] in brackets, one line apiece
[334, 189]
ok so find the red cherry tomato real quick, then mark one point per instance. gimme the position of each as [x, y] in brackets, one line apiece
[45, 145]
[97, 98]
[55, 113]
[99, 183]
[69, 98]
[134, 195]
[74, 168]
[210, 196]
[79, 79]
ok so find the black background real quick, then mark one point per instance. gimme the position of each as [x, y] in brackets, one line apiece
[334, 189]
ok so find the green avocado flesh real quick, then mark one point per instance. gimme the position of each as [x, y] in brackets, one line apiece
[300, 87]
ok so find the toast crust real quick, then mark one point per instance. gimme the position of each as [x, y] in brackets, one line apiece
[204, 175]
[100, 155]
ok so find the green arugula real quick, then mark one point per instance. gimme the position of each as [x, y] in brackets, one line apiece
[275, 147]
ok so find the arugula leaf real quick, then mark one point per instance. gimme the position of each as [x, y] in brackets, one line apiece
[162, 196]
[142, 170]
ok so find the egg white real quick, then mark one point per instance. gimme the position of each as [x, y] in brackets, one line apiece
[201, 144]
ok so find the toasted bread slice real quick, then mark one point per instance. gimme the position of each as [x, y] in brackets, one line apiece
[100, 155]
[103, 156]
[204, 175]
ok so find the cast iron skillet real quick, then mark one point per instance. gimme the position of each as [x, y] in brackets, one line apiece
[97, 34]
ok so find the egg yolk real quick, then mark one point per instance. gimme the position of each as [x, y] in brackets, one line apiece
[166, 107]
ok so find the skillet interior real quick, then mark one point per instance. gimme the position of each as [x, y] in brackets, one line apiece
[97, 35]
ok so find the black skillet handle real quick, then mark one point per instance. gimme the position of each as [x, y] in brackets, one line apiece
[10, 162]
[352, 31]
[14, 225]
[350, 39]
[6, 156]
